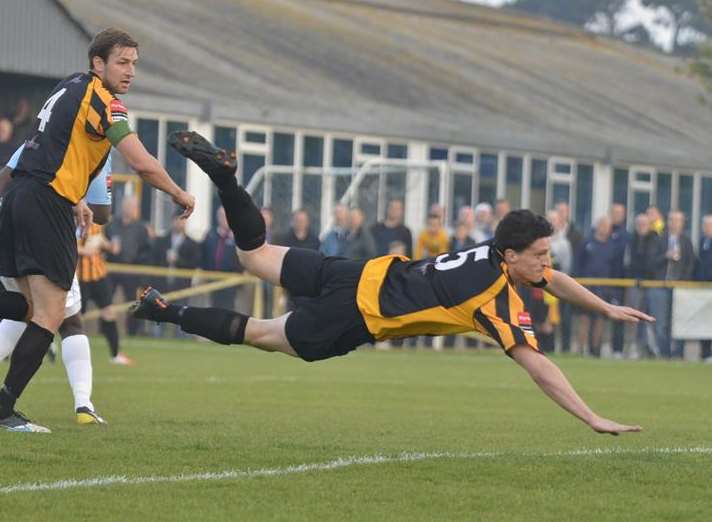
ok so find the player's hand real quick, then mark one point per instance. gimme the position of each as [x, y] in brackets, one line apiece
[84, 218]
[186, 202]
[601, 425]
[626, 313]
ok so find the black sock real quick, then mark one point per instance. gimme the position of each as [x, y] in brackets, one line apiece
[7, 402]
[243, 216]
[169, 314]
[108, 328]
[217, 324]
[13, 305]
[27, 357]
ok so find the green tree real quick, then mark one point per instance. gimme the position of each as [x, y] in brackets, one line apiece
[684, 14]
[580, 12]
[701, 67]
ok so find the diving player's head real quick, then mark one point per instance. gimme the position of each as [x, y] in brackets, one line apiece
[522, 238]
[112, 57]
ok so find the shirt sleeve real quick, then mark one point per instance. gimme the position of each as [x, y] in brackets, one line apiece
[117, 122]
[99, 192]
[505, 320]
[15, 158]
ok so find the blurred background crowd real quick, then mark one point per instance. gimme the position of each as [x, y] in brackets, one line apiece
[653, 248]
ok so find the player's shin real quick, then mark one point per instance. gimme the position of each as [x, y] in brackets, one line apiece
[243, 216]
[216, 324]
[24, 363]
[76, 355]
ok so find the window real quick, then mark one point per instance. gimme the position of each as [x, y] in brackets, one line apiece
[560, 192]
[226, 138]
[342, 157]
[664, 192]
[464, 157]
[251, 163]
[255, 137]
[147, 131]
[562, 168]
[313, 151]
[175, 162]
[620, 186]
[438, 154]
[641, 201]
[487, 190]
[706, 201]
[311, 197]
[513, 192]
[685, 199]
[461, 193]
[372, 149]
[397, 151]
[537, 195]
[584, 196]
[281, 197]
[283, 149]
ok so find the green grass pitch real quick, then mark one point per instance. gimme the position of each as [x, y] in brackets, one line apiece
[399, 435]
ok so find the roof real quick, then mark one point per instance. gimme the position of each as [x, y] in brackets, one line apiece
[435, 70]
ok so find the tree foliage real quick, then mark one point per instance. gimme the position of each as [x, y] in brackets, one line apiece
[684, 14]
[701, 67]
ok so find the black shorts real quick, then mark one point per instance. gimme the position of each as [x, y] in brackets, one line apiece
[37, 233]
[98, 291]
[326, 321]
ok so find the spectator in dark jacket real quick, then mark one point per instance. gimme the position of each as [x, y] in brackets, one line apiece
[360, 243]
[704, 273]
[620, 239]
[680, 267]
[299, 234]
[392, 229]
[334, 242]
[596, 259]
[461, 239]
[646, 252]
[219, 254]
[131, 244]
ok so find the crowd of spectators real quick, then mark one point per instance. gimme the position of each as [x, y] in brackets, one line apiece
[652, 249]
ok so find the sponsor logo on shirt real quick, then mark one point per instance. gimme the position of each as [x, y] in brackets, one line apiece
[118, 111]
[525, 322]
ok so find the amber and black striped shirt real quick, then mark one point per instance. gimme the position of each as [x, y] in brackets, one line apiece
[73, 135]
[451, 293]
[91, 268]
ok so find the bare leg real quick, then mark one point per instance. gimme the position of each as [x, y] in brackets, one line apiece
[269, 335]
[583, 331]
[48, 302]
[264, 262]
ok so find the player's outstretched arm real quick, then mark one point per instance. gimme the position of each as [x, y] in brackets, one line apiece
[153, 172]
[554, 383]
[566, 288]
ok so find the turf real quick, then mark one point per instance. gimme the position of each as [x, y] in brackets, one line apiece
[191, 408]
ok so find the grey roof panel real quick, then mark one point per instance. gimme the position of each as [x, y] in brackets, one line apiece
[426, 69]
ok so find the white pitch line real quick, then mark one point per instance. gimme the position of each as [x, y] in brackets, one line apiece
[341, 462]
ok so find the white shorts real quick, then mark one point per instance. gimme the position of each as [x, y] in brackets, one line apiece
[72, 305]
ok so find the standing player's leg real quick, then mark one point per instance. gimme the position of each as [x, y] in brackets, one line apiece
[76, 356]
[48, 305]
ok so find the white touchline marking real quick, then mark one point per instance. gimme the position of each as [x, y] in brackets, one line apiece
[341, 462]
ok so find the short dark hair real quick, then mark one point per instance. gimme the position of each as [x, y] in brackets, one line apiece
[519, 229]
[106, 40]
